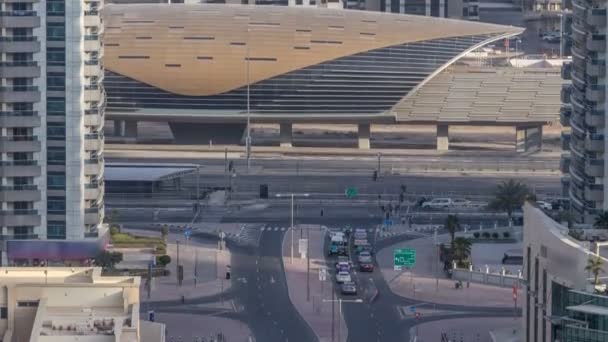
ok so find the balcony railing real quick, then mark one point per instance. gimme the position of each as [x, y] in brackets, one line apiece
[91, 210]
[19, 212]
[91, 37]
[18, 64]
[93, 111]
[18, 162]
[91, 186]
[18, 39]
[19, 138]
[17, 13]
[19, 88]
[19, 237]
[19, 113]
[91, 12]
[91, 87]
[91, 62]
[90, 161]
[18, 187]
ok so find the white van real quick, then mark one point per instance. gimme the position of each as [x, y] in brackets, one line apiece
[438, 203]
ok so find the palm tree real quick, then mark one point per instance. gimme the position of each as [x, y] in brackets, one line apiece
[461, 249]
[164, 232]
[595, 267]
[452, 225]
[601, 221]
[509, 196]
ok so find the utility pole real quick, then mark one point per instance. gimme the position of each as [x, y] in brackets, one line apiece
[333, 302]
[177, 268]
[198, 187]
[292, 228]
[196, 266]
[308, 264]
[379, 158]
[225, 160]
[248, 137]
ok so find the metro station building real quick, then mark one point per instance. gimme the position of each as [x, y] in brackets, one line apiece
[203, 67]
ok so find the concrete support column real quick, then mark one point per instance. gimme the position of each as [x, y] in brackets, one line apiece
[528, 138]
[119, 128]
[364, 133]
[130, 128]
[286, 135]
[443, 137]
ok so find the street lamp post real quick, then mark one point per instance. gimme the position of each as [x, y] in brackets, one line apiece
[340, 301]
[292, 195]
[379, 158]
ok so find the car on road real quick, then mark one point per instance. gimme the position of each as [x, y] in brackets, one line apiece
[365, 257]
[360, 242]
[349, 288]
[343, 277]
[365, 248]
[366, 267]
[438, 203]
[360, 234]
[544, 205]
[461, 202]
[552, 38]
[343, 266]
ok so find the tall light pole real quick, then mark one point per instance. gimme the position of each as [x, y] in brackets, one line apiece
[340, 301]
[292, 195]
[248, 137]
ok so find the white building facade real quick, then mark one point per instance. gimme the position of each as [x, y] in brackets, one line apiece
[51, 122]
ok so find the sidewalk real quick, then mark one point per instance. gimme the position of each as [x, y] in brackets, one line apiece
[316, 313]
[189, 327]
[210, 268]
[421, 283]
[463, 329]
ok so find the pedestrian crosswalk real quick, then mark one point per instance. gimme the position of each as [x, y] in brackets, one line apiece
[247, 236]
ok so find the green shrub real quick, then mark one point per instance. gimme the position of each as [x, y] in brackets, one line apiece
[495, 235]
[506, 235]
[163, 260]
[485, 235]
[476, 235]
[114, 229]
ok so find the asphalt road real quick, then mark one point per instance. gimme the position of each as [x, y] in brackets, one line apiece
[379, 320]
[260, 289]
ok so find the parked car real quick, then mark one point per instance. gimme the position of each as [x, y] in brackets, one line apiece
[438, 203]
[366, 267]
[544, 205]
[349, 288]
[343, 277]
[365, 257]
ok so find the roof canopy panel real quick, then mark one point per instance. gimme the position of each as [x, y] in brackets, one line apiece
[203, 49]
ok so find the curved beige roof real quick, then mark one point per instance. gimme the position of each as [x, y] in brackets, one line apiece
[201, 49]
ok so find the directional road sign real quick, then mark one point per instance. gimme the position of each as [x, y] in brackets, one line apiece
[351, 192]
[322, 274]
[404, 257]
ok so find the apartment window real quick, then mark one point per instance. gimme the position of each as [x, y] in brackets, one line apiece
[3, 313]
[27, 303]
[55, 230]
[22, 232]
[55, 181]
[55, 106]
[55, 56]
[55, 155]
[55, 31]
[55, 205]
[55, 131]
[21, 84]
[55, 81]
[55, 8]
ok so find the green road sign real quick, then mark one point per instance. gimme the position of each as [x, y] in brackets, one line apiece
[405, 257]
[351, 192]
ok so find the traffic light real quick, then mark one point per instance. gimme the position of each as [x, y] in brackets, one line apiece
[401, 198]
[375, 176]
[321, 212]
[230, 166]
